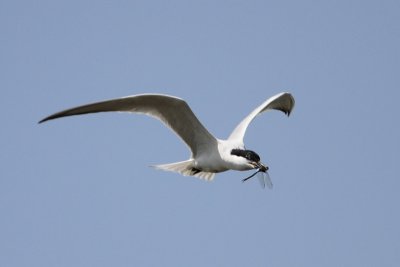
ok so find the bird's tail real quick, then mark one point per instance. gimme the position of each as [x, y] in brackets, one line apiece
[186, 168]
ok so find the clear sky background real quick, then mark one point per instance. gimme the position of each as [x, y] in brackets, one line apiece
[79, 192]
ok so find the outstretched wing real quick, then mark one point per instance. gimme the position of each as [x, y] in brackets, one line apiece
[283, 102]
[174, 112]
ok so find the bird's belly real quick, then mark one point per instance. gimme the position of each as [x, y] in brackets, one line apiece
[211, 163]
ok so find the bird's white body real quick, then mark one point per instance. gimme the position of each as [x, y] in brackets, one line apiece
[209, 155]
[215, 160]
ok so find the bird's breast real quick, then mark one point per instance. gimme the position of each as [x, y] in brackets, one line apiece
[210, 163]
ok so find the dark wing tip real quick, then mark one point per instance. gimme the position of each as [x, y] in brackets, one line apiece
[287, 109]
[43, 120]
[54, 116]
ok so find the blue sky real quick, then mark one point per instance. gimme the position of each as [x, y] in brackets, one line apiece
[79, 192]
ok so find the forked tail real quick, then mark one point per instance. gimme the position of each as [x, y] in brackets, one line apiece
[186, 168]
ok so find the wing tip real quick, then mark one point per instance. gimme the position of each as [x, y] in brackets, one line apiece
[291, 105]
[42, 120]
[51, 117]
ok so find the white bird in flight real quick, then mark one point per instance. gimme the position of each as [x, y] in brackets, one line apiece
[209, 155]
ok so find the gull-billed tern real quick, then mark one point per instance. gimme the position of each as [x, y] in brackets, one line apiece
[210, 155]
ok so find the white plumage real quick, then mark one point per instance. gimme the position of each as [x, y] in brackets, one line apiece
[209, 154]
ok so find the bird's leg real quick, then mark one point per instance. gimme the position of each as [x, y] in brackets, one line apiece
[195, 171]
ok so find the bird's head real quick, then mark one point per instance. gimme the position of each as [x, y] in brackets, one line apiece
[250, 158]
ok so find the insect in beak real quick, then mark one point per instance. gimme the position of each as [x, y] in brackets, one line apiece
[261, 168]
